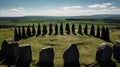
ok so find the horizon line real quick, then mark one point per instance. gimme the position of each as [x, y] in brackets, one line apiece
[59, 16]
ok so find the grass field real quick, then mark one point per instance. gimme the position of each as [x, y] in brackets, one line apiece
[60, 43]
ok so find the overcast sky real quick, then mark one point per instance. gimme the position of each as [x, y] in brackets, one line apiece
[58, 7]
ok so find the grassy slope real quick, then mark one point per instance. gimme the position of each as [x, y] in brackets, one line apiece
[60, 43]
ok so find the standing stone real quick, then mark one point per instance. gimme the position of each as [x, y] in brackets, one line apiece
[23, 32]
[28, 31]
[19, 33]
[86, 29]
[50, 29]
[67, 29]
[61, 28]
[107, 34]
[116, 50]
[15, 34]
[80, 29]
[46, 57]
[10, 52]
[44, 31]
[24, 56]
[104, 53]
[56, 29]
[103, 56]
[98, 31]
[39, 30]
[3, 47]
[92, 31]
[103, 33]
[71, 57]
[33, 30]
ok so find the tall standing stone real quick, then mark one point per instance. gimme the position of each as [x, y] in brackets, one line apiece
[116, 50]
[28, 31]
[92, 31]
[86, 29]
[24, 56]
[73, 28]
[15, 35]
[33, 30]
[23, 32]
[103, 33]
[61, 28]
[19, 33]
[80, 29]
[39, 30]
[98, 32]
[50, 29]
[107, 35]
[67, 28]
[56, 29]
[44, 31]
[71, 57]
[46, 57]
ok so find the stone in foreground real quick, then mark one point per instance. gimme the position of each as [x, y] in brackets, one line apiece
[46, 57]
[71, 57]
[25, 56]
[116, 50]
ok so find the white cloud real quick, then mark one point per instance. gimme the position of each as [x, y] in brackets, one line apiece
[20, 8]
[17, 10]
[63, 11]
[71, 7]
[107, 4]
[79, 12]
[12, 12]
[113, 7]
[103, 5]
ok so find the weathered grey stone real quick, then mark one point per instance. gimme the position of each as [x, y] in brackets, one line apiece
[46, 57]
[104, 53]
[25, 56]
[71, 57]
[116, 50]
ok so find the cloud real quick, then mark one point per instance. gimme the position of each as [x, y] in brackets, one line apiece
[62, 11]
[113, 7]
[107, 4]
[79, 12]
[103, 5]
[12, 12]
[71, 7]
[76, 11]
[19, 10]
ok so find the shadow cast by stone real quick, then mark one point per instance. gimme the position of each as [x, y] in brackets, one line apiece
[74, 33]
[56, 34]
[50, 34]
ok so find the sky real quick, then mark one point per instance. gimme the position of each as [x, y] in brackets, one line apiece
[58, 7]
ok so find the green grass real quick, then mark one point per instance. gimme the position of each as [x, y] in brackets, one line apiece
[60, 43]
